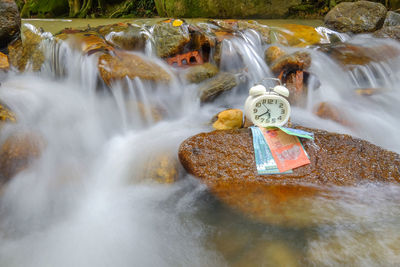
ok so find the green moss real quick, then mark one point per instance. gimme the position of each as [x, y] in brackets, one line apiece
[45, 8]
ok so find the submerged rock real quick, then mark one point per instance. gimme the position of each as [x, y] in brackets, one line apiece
[163, 168]
[224, 160]
[213, 87]
[295, 61]
[329, 111]
[357, 17]
[199, 73]
[10, 22]
[122, 64]
[87, 42]
[17, 153]
[228, 119]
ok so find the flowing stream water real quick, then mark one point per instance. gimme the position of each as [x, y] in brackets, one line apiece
[86, 200]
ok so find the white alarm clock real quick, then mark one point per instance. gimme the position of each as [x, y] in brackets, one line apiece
[267, 108]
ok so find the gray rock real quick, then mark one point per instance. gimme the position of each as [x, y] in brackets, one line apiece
[211, 88]
[392, 19]
[170, 40]
[388, 32]
[10, 22]
[357, 17]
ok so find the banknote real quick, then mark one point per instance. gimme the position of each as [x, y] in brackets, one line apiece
[264, 160]
[286, 149]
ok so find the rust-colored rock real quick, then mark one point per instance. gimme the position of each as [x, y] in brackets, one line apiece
[224, 160]
[16, 153]
[123, 65]
[229, 119]
[4, 64]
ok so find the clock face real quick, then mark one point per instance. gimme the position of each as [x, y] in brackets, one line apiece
[270, 111]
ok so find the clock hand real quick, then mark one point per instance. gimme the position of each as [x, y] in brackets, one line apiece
[266, 113]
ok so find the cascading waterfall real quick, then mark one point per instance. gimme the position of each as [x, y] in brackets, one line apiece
[86, 200]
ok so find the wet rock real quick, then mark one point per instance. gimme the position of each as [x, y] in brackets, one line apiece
[224, 160]
[273, 53]
[295, 61]
[17, 153]
[4, 64]
[10, 22]
[231, 26]
[297, 35]
[370, 91]
[199, 73]
[295, 81]
[170, 39]
[213, 87]
[87, 42]
[357, 17]
[6, 115]
[351, 54]
[122, 64]
[25, 53]
[228, 119]
[124, 36]
[329, 111]
[388, 32]
[392, 19]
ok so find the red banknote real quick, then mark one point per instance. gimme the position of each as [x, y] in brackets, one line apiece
[286, 149]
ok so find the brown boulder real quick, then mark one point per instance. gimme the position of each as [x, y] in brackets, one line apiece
[357, 17]
[199, 73]
[17, 153]
[10, 22]
[295, 61]
[121, 65]
[224, 160]
[273, 53]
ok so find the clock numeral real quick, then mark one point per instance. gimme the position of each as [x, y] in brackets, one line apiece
[281, 105]
[273, 120]
[257, 117]
[255, 110]
[258, 105]
[262, 120]
[280, 118]
[282, 111]
[264, 101]
[270, 101]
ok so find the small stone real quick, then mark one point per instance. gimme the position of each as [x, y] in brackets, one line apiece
[199, 73]
[229, 119]
[213, 87]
